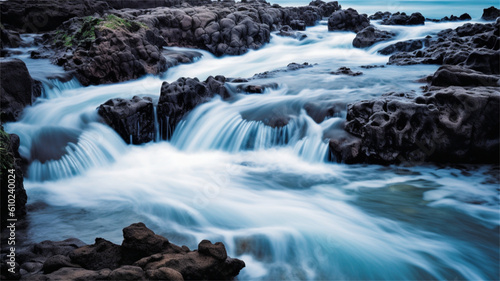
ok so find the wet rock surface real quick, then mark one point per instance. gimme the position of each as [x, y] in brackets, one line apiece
[473, 45]
[347, 20]
[404, 19]
[371, 35]
[17, 89]
[132, 119]
[143, 255]
[449, 124]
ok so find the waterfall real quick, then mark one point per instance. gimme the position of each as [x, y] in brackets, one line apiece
[96, 147]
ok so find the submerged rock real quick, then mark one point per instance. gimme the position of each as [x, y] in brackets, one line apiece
[346, 71]
[447, 125]
[143, 255]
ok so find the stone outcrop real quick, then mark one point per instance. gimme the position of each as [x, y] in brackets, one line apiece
[132, 119]
[143, 255]
[490, 13]
[347, 20]
[404, 19]
[473, 45]
[371, 35]
[448, 125]
[17, 89]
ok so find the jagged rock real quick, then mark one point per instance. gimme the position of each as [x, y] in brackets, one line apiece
[346, 71]
[159, 260]
[404, 46]
[56, 262]
[139, 242]
[103, 254]
[289, 32]
[11, 170]
[462, 17]
[444, 125]
[451, 75]
[347, 20]
[480, 42]
[403, 19]
[17, 90]
[490, 13]
[371, 35]
[9, 39]
[130, 118]
[380, 16]
[290, 67]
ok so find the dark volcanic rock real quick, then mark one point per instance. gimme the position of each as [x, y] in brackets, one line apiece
[404, 46]
[17, 88]
[369, 36]
[347, 20]
[490, 13]
[160, 260]
[462, 17]
[133, 117]
[445, 125]
[102, 254]
[148, 4]
[180, 97]
[12, 182]
[380, 15]
[140, 241]
[46, 15]
[451, 75]
[476, 45]
[290, 67]
[108, 50]
[9, 39]
[404, 19]
[346, 71]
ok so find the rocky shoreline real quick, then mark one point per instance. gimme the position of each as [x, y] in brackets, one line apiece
[143, 255]
[454, 120]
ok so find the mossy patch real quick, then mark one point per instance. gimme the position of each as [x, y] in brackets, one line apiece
[85, 34]
[115, 22]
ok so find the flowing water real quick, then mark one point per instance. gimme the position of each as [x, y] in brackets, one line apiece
[268, 193]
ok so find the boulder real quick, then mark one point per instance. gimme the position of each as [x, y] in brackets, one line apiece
[371, 35]
[476, 45]
[132, 119]
[17, 89]
[180, 97]
[139, 242]
[462, 17]
[143, 255]
[404, 19]
[102, 254]
[451, 75]
[404, 46]
[347, 20]
[346, 71]
[490, 13]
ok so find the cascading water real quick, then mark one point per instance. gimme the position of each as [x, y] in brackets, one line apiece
[251, 172]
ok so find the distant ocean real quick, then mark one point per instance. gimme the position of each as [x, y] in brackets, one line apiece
[430, 9]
